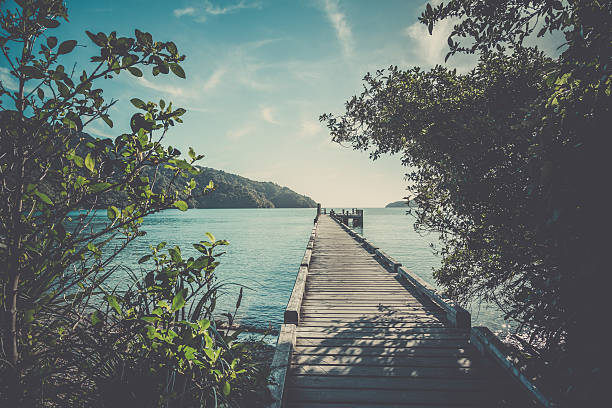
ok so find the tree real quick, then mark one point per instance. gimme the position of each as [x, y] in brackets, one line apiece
[52, 178]
[505, 164]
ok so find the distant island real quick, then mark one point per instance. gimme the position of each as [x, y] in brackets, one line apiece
[402, 203]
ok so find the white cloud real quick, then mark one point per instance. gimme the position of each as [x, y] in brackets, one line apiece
[240, 132]
[214, 80]
[213, 10]
[187, 11]
[94, 130]
[309, 127]
[267, 113]
[166, 89]
[8, 81]
[209, 9]
[338, 21]
[431, 48]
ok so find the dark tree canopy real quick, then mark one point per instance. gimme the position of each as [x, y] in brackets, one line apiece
[506, 163]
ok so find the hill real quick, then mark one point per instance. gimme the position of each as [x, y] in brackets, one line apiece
[401, 203]
[231, 190]
[234, 191]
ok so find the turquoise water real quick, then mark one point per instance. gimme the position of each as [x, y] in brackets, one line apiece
[266, 247]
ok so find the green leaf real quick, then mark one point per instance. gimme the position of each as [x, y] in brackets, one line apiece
[181, 205]
[113, 212]
[144, 259]
[51, 42]
[90, 162]
[95, 319]
[28, 315]
[106, 119]
[226, 388]
[191, 153]
[66, 47]
[96, 188]
[31, 72]
[178, 71]
[139, 103]
[41, 93]
[175, 254]
[135, 71]
[210, 236]
[46, 22]
[171, 47]
[204, 324]
[112, 302]
[179, 300]
[45, 198]
[201, 262]
[99, 40]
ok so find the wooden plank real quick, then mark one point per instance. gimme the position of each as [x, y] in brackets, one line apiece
[390, 383]
[386, 336]
[280, 364]
[385, 361]
[398, 371]
[390, 343]
[292, 311]
[384, 351]
[341, 395]
[389, 330]
[368, 336]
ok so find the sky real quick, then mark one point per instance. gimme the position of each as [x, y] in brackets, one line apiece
[259, 74]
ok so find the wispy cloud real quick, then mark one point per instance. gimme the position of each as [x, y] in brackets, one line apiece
[166, 89]
[94, 130]
[309, 127]
[232, 8]
[340, 24]
[200, 14]
[267, 113]
[8, 81]
[214, 80]
[187, 11]
[240, 132]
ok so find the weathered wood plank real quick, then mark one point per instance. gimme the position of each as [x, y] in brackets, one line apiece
[341, 395]
[368, 336]
[292, 311]
[390, 383]
[383, 351]
[280, 364]
[386, 361]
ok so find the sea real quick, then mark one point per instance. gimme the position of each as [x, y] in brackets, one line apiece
[266, 248]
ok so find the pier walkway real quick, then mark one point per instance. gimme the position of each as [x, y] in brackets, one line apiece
[361, 332]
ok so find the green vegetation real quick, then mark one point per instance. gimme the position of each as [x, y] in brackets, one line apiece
[506, 163]
[68, 339]
[399, 204]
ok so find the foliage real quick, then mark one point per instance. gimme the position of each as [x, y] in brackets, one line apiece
[230, 191]
[506, 163]
[165, 349]
[56, 255]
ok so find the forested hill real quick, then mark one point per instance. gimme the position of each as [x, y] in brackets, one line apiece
[401, 203]
[233, 191]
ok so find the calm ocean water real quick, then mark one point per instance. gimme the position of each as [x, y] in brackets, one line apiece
[266, 247]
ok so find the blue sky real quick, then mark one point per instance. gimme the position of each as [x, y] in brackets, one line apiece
[259, 74]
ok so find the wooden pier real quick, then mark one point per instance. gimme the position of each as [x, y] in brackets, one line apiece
[362, 331]
[355, 216]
